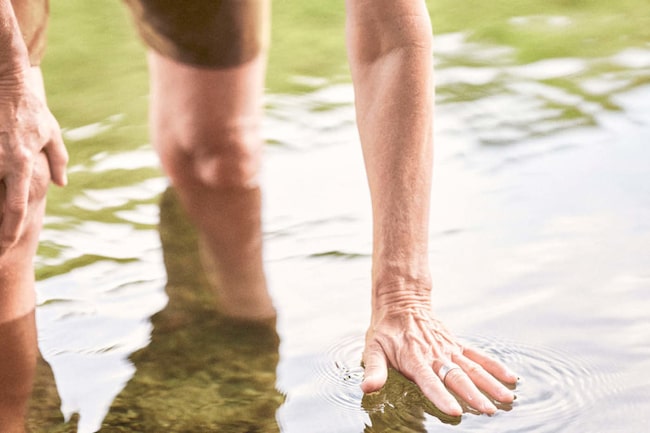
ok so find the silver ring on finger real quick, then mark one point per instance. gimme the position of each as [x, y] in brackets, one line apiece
[446, 369]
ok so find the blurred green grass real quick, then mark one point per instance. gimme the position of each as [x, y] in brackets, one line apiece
[594, 27]
[95, 65]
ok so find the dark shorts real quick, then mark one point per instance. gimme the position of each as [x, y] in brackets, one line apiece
[32, 17]
[206, 33]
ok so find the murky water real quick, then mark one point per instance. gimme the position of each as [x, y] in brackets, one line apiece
[540, 245]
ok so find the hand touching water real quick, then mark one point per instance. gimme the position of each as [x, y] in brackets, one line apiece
[27, 128]
[404, 334]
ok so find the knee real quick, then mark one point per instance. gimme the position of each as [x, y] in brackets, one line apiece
[212, 157]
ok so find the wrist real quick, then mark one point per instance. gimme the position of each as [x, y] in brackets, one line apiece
[14, 83]
[14, 80]
[400, 288]
[13, 74]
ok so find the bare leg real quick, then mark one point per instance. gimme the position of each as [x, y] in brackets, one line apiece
[17, 326]
[205, 127]
[17, 369]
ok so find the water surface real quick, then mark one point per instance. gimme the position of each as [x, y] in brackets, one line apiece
[540, 239]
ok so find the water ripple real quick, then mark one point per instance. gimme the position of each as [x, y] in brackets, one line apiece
[555, 392]
[340, 373]
[556, 389]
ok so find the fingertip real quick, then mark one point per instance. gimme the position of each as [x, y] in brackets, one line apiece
[58, 158]
[489, 408]
[510, 378]
[375, 369]
[61, 179]
[370, 385]
[373, 382]
[58, 173]
[454, 409]
[507, 397]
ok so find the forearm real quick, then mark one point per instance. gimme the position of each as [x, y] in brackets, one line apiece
[392, 68]
[14, 58]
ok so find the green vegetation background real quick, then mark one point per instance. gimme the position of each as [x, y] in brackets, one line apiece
[95, 66]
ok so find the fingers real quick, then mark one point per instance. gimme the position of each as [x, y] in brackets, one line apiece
[376, 369]
[492, 366]
[460, 383]
[433, 389]
[57, 156]
[14, 210]
[485, 381]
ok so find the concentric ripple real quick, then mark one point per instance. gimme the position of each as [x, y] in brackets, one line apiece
[556, 390]
[555, 393]
[340, 373]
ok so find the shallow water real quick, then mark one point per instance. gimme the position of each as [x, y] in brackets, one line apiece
[540, 239]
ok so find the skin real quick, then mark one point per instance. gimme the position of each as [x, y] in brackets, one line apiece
[211, 152]
[390, 53]
[31, 155]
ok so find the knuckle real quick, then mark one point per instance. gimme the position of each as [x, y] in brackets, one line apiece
[473, 369]
[16, 205]
[419, 370]
[370, 360]
[454, 377]
[373, 355]
[21, 157]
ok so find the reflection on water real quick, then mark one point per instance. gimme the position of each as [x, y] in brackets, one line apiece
[540, 234]
[200, 372]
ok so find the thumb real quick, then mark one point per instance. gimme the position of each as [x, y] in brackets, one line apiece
[376, 369]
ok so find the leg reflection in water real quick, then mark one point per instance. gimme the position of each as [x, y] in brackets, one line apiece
[201, 372]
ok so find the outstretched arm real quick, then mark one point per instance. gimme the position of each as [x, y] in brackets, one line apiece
[390, 53]
[26, 128]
